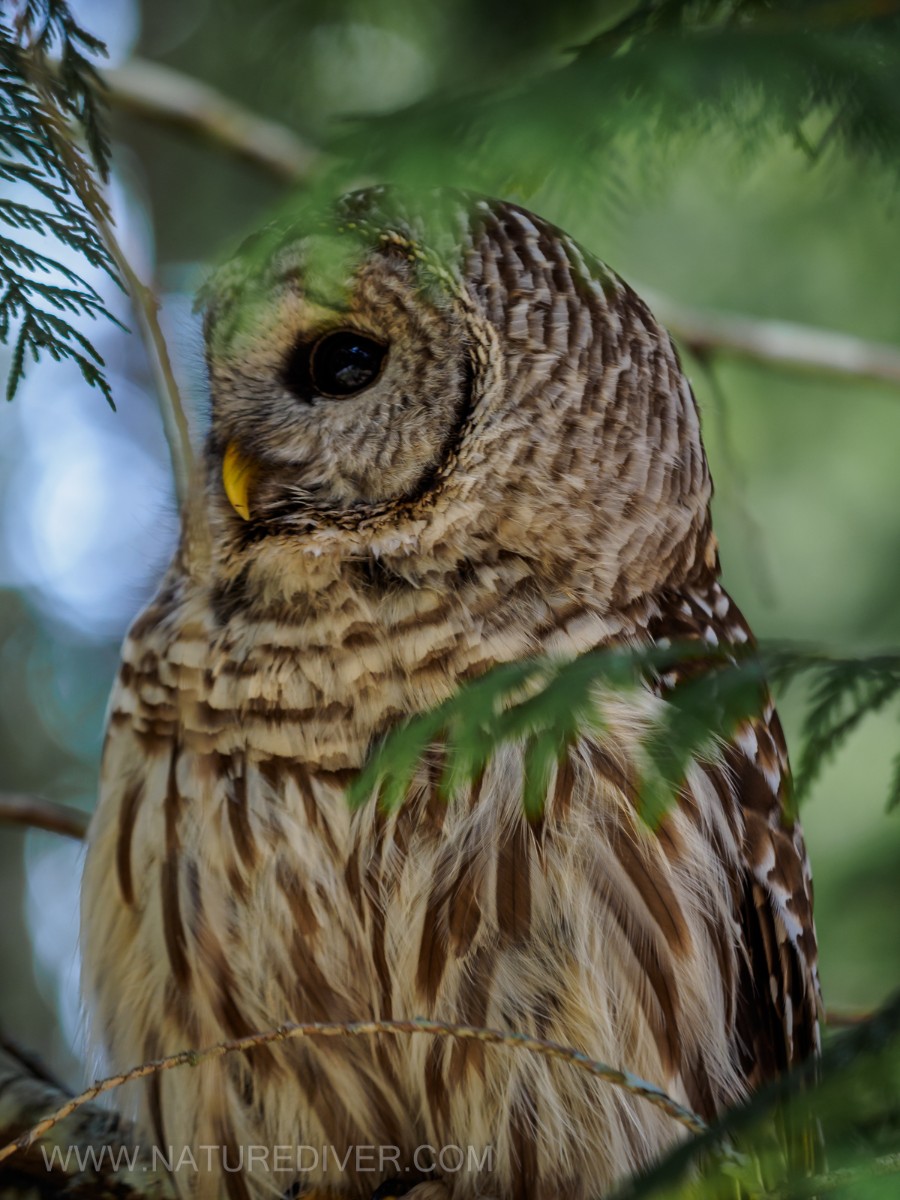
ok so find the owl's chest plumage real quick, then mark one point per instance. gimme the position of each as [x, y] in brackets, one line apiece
[229, 888]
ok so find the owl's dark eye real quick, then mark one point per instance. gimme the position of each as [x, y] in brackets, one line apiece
[339, 364]
[345, 362]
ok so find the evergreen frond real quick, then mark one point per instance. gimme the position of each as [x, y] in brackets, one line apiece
[40, 104]
[824, 74]
[546, 705]
[843, 694]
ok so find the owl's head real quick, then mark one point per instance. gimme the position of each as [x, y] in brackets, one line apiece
[433, 383]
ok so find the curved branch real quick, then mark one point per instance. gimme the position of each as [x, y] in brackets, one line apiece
[37, 813]
[782, 343]
[169, 97]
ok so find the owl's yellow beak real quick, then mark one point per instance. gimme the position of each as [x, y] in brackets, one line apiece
[238, 474]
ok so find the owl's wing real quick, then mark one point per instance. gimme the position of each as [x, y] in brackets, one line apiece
[777, 1021]
[778, 999]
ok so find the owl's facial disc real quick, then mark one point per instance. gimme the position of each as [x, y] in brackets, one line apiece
[334, 404]
[340, 363]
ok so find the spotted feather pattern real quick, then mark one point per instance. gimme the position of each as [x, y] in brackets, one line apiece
[774, 897]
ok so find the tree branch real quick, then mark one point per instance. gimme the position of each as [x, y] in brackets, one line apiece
[90, 1153]
[43, 814]
[175, 99]
[777, 343]
[169, 97]
[839, 1018]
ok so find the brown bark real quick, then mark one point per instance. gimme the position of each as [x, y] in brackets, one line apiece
[93, 1136]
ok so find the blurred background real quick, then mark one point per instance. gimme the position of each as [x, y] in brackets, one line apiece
[807, 468]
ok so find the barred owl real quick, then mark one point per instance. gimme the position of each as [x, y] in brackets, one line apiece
[424, 462]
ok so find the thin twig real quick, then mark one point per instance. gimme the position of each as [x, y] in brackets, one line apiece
[143, 299]
[291, 1030]
[33, 1066]
[798, 347]
[37, 813]
[173, 98]
[171, 406]
[754, 537]
[842, 1019]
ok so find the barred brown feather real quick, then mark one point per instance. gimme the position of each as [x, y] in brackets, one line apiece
[525, 475]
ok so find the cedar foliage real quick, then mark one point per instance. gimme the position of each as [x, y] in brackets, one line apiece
[38, 101]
